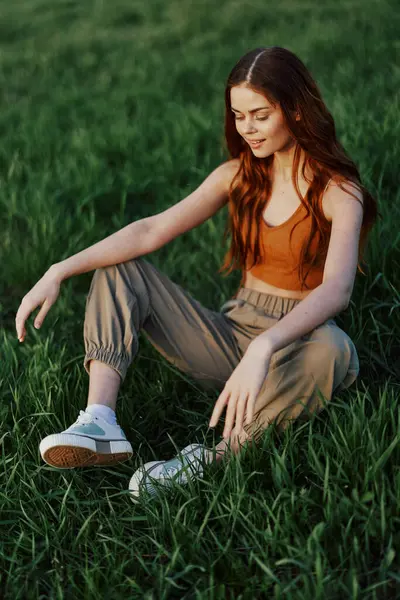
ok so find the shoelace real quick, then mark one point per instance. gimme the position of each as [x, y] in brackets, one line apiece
[84, 418]
[171, 471]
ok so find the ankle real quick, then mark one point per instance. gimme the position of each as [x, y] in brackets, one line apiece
[102, 411]
[104, 384]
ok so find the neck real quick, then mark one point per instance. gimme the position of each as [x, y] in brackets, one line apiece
[283, 175]
[282, 165]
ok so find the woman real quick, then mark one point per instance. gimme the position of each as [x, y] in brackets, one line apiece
[299, 218]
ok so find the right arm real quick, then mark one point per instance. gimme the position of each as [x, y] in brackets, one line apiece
[136, 239]
[129, 242]
[149, 234]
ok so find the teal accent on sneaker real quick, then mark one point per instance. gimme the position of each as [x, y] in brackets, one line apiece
[90, 429]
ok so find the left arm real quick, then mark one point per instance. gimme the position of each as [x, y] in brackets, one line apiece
[334, 293]
[323, 303]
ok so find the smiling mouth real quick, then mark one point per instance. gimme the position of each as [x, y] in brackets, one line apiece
[255, 144]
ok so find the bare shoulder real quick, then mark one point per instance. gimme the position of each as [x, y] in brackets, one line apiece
[337, 191]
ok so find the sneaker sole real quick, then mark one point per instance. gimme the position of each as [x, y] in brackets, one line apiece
[66, 451]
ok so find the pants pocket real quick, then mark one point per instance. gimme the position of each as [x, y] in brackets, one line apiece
[236, 304]
[228, 305]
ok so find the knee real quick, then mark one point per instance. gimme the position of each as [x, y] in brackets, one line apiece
[331, 360]
[104, 280]
[101, 277]
[108, 273]
[129, 271]
[329, 349]
[103, 272]
[322, 355]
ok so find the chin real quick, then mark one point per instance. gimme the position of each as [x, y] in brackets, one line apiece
[261, 153]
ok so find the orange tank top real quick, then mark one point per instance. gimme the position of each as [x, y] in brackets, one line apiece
[281, 259]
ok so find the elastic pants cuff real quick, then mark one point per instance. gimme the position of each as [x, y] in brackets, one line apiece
[119, 362]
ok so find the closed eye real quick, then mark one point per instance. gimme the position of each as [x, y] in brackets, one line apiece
[257, 119]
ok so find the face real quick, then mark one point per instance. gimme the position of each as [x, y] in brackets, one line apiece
[266, 124]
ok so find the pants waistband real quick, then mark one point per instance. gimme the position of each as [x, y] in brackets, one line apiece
[274, 305]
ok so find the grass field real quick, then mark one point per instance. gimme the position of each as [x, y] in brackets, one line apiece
[111, 112]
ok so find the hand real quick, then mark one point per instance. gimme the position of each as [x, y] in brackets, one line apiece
[44, 293]
[241, 390]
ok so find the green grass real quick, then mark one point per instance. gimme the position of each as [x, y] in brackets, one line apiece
[111, 112]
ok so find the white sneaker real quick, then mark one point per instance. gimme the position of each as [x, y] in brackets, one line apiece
[89, 441]
[167, 472]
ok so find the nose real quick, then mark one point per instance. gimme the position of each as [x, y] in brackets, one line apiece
[249, 128]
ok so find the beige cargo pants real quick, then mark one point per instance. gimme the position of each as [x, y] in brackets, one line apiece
[133, 297]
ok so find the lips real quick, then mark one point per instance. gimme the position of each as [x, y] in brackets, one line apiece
[254, 144]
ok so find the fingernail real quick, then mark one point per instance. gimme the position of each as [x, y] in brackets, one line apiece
[37, 325]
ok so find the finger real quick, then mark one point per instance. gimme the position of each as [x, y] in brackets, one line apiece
[250, 409]
[19, 329]
[219, 407]
[20, 319]
[230, 415]
[42, 313]
[243, 401]
[21, 336]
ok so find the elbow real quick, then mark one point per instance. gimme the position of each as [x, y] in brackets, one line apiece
[345, 299]
[342, 295]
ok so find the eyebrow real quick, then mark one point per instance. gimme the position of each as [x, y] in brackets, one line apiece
[254, 109]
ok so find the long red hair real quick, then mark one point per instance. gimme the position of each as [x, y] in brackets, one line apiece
[282, 78]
